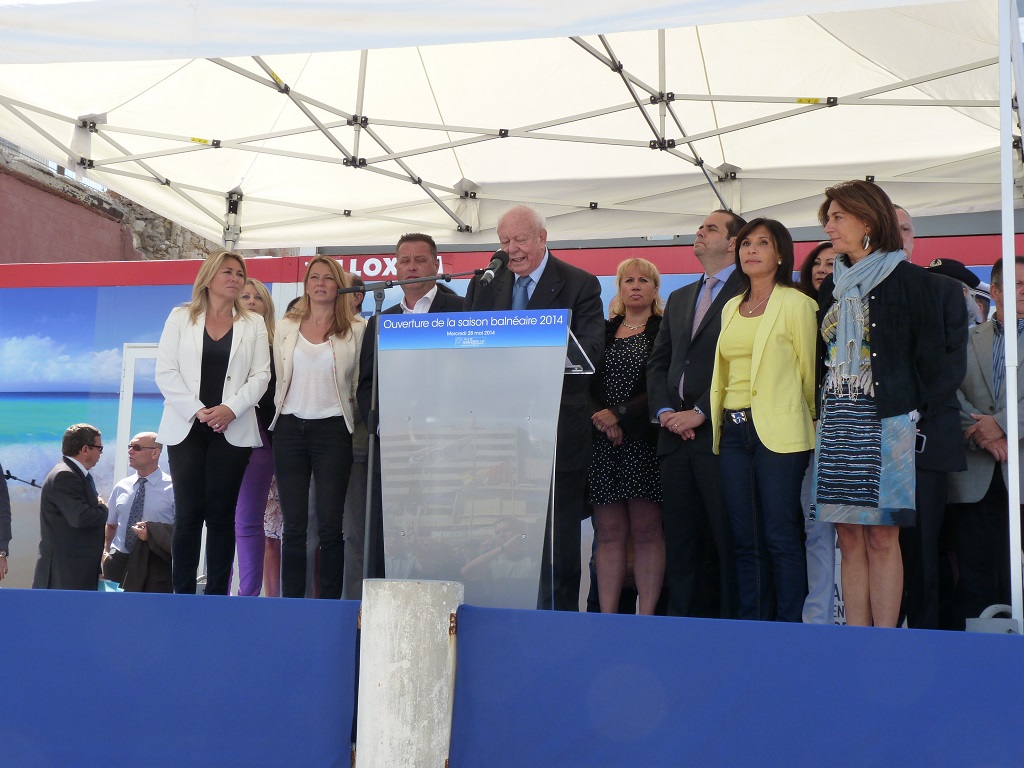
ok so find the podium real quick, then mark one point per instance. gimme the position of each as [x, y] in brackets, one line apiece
[468, 421]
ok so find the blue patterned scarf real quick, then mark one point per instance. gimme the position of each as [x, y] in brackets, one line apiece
[852, 284]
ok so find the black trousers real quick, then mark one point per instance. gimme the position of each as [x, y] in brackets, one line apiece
[207, 472]
[981, 536]
[563, 566]
[114, 566]
[699, 556]
[321, 448]
[920, 549]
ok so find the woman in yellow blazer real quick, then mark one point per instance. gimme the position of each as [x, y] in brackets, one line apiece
[316, 356]
[762, 411]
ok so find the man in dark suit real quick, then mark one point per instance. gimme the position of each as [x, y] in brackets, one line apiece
[699, 557]
[5, 523]
[415, 256]
[535, 279]
[940, 450]
[72, 516]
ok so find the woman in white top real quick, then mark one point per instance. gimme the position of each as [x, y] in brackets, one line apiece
[316, 356]
[212, 367]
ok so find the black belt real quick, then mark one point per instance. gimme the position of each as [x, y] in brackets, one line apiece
[743, 416]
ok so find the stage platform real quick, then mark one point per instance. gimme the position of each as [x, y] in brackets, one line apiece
[93, 679]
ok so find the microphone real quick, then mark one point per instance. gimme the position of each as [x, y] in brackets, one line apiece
[499, 261]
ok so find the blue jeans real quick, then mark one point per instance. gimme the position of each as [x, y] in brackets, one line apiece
[762, 499]
[323, 448]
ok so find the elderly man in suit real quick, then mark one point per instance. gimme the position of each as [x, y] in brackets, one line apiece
[979, 496]
[415, 256]
[72, 516]
[536, 279]
[697, 533]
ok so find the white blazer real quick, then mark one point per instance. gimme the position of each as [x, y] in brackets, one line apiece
[346, 365]
[179, 362]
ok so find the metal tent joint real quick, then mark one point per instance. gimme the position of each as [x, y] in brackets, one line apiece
[89, 125]
[593, 205]
[86, 163]
[663, 98]
[234, 200]
[663, 144]
[361, 120]
[832, 101]
[347, 212]
[465, 228]
[503, 133]
[468, 195]
[728, 176]
[355, 162]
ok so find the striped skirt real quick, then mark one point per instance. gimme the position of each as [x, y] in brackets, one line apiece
[865, 469]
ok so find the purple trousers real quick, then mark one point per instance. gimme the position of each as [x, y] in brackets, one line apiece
[252, 506]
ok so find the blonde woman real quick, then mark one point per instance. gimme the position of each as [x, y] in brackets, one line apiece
[316, 353]
[212, 367]
[252, 497]
[623, 480]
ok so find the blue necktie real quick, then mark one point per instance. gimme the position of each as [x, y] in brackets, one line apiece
[135, 514]
[92, 485]
[521, 293]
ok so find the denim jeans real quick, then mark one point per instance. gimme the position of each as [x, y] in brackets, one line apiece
[762, 499]
[323, 448]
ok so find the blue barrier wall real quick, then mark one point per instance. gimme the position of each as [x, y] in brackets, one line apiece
[556, 689]
[90, 679]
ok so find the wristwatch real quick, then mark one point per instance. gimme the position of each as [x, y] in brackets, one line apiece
[3, 553]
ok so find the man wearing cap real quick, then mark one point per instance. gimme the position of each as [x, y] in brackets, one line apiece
[940, 448]
[970, 283]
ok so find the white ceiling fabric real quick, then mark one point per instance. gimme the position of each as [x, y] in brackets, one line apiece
[576, 136]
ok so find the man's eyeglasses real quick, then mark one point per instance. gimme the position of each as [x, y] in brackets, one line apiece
[140, 447]
[97, 447]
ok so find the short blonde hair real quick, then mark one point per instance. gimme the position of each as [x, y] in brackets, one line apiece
[342, 322]
[648, 270]
[200, 296]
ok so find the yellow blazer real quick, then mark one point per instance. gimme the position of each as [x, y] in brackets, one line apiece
[781, 372]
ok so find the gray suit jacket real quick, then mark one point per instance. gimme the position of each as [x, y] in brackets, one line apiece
[975, 396]
[71, 523]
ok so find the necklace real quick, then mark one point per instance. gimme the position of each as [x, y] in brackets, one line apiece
[634, 327]
[753, 309]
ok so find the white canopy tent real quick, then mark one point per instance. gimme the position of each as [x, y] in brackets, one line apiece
[265, 123]
[354, 146]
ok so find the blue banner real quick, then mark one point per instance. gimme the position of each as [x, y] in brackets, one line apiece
[464, 330]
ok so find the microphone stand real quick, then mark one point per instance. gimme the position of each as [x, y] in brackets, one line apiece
[8, 476]
[373, 422]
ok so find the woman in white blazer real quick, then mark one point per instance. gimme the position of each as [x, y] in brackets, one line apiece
[212, 367]
[316, 356]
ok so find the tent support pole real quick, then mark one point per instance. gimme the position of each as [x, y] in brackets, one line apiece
[1008, 17]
